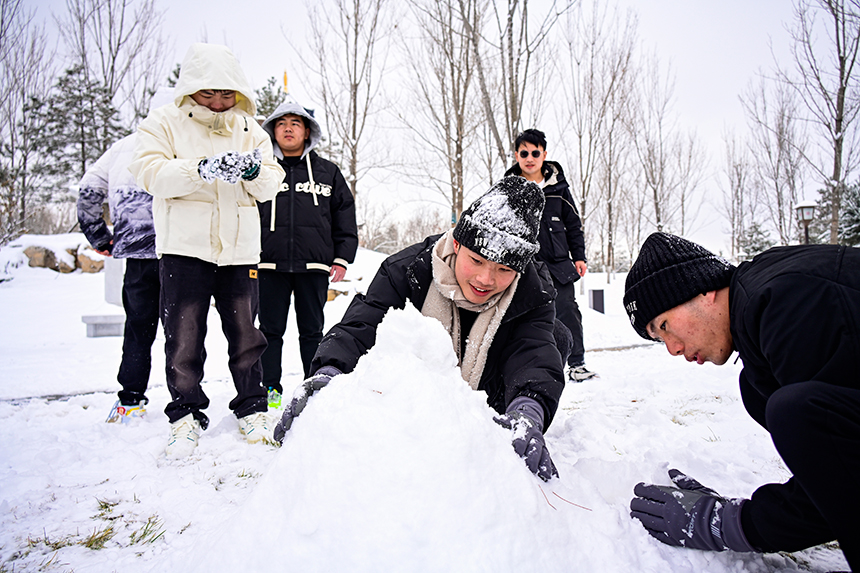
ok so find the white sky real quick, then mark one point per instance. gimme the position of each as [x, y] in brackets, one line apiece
[714, 48]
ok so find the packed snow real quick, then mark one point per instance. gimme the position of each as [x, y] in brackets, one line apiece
[397, 466]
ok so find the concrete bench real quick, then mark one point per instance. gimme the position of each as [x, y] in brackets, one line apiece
[104, 325]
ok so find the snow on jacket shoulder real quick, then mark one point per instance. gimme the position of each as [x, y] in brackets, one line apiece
[130, 206]
[522, 360]
[795, 317]
[314, 222]
[561, 238]
[216, 222]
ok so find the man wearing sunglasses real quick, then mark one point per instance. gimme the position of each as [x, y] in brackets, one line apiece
[562, 244]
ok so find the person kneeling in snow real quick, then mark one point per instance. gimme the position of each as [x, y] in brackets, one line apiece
[480, 281]
[792, 313]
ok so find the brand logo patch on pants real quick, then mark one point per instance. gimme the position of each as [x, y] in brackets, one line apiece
[252, 273]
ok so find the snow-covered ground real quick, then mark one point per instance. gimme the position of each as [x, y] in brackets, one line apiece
[395, 467]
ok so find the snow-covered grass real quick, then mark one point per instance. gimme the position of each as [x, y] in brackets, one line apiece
[395, 467]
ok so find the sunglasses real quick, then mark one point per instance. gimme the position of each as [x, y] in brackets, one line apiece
[535, 153]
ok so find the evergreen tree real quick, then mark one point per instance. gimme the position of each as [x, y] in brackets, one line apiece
[174, 76]
[849, 218]
[78, 124]
[269, 97]
[755, 240]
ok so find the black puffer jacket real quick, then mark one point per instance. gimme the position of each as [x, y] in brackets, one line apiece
[561, 238]
[522, 360]
[314, 225]
[795, 318]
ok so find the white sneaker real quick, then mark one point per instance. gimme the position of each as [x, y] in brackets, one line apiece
[183, 437]
[255, 428]
[580, 373]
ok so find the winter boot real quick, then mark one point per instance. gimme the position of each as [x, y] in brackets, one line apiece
[255, 428]
[183, 437]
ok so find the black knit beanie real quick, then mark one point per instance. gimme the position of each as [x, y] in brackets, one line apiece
[502, 225]
[669, 272]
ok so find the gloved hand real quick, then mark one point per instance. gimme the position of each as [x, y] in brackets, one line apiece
[690, 515]
[525, 418]
[254, 160]
[300, 399]
[230, 166]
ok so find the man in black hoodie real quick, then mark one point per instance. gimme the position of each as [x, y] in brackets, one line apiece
[309, 236]
[793, 315]
[562, 243]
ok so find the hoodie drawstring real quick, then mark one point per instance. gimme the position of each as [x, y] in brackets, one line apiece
[311, 177]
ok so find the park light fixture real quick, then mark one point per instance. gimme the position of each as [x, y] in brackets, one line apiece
[805, 214]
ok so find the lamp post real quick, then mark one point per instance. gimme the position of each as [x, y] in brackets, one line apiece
[805, 214]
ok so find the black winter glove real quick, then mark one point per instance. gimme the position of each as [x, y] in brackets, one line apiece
[300, 399]
[690, 515]
[525, 418]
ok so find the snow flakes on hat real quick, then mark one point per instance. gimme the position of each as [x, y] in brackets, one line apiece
[502, 225]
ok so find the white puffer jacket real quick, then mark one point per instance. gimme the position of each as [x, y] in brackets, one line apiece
[216, 222]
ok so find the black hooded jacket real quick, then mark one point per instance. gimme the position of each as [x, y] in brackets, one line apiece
[561, 238]
[795, 317]
[522, 360]
[314, 225]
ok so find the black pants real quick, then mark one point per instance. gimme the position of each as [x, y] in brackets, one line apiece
[567, 311]
[276, 289]
[140, 292]
[816, 429]
[187, 286]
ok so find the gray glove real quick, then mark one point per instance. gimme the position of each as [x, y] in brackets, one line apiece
[525, 418]
[690, 515]
[300, 399]
[230, 166]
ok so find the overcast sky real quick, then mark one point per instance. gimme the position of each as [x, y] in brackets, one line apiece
[714, 49]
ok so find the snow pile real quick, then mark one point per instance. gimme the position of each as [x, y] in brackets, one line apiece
[403, 465]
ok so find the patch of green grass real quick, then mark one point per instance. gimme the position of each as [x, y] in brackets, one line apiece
[54, 545]
[106, 510]
[151, 531]
[98, 538]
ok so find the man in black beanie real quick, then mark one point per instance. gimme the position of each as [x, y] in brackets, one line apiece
[479, 280]
[793, 316]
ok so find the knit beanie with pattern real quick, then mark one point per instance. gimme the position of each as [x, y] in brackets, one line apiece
[502, 225]
[668, 272]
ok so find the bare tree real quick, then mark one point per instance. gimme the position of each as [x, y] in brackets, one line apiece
[613, 170]
[827, 84]
[655, 137]
[119, 43]
[690, 165]
[596, 82]
[25, 73]
[510, 56]
[347, 38]
[443, 121]
[777, 146]
[736, 195]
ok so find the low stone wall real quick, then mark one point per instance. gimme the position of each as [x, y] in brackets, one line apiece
[42, 257]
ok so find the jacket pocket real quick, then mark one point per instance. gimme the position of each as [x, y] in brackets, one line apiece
[189, 228]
